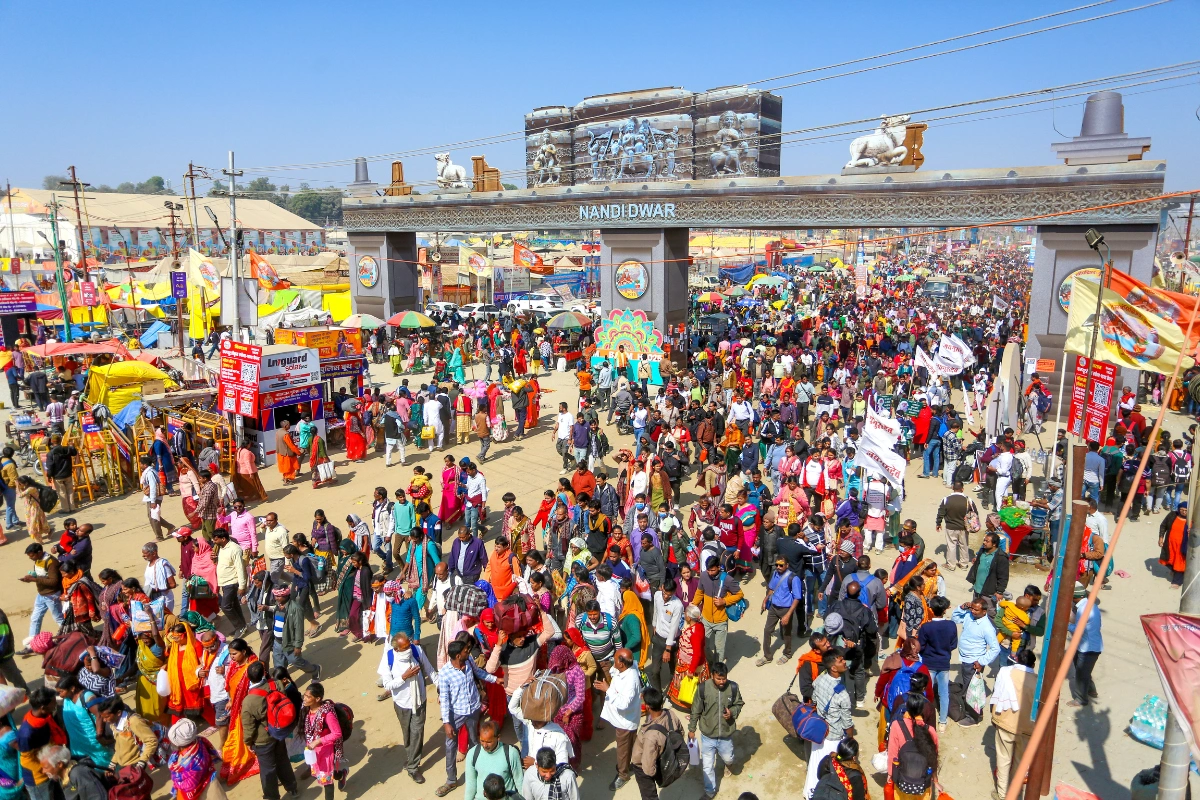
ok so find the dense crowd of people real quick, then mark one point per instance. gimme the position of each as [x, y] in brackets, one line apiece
[602, 602]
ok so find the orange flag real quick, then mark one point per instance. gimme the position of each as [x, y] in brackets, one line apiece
[1172, 306]
[262, 271]
[524, 257]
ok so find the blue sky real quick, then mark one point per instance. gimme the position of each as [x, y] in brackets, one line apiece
[157, 84]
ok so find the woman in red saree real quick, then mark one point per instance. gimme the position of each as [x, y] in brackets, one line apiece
[238, 761]
[690, 664]
[520, 363]
[356, 436]
[451, 508]
[183, 660]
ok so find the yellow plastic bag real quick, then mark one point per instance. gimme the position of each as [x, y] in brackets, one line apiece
[687, 688]
[429, 433]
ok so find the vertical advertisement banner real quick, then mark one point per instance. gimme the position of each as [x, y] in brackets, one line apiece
[860, 273]
[1104, 378]
[237, 381]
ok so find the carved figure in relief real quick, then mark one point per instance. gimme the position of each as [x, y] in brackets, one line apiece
[633, 151]
[597, 147]
[669, 143]
[729, 147]
[545, 163]
[883, 147]
[450, 175]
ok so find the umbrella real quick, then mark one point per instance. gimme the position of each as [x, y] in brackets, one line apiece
[411, 319]
[923, 270]
[568, 320]
[904, 278]
[367, 321]
[818, 270]
[770, 280]
[710, 297]
[736, 291]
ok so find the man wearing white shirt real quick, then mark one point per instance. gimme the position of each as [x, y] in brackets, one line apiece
[404, 670]
[623, 710]
[1096, 521]
[213, 658]
[275, 538]
[152, 494]
[608, 591]
[563, 423]
[533, 735]
[668, 619]
[477, 495]
[740, 413]
[159, 578]
[1002, 463]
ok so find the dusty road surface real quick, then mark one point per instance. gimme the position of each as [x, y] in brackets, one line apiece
[1093, 750]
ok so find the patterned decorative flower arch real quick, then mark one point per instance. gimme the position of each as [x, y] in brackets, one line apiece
[631, 328]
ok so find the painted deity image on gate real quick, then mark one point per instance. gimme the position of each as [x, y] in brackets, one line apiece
[632, 279]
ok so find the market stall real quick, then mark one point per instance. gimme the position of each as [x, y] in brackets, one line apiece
[288, 386]
[342, 366]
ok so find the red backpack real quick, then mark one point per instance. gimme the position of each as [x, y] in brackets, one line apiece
[281, 714]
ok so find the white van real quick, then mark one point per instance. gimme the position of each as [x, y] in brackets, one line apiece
[551, 304]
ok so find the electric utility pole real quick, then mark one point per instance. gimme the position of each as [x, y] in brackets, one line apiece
[12, 220]
[75, 184]
[233, 246]
[58, 267]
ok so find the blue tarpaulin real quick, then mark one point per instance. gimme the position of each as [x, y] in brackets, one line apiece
[124, 418]
[738, 274]
[150, 337]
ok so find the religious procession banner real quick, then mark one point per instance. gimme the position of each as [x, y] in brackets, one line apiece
[1172, 306]
[1129, 336]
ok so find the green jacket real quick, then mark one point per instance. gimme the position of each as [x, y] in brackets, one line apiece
[708, 710]
[293, 624]
[254, 719]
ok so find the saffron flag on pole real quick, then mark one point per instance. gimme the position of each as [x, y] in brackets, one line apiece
[262, 271]
[1172, 306]
[1129, 335]
[524, 257]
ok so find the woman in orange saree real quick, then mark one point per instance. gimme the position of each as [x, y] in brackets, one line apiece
[183, 661]
[287, 454]
[238, 761]
[356, 440]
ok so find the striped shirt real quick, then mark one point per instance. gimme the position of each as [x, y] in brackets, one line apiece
[600, 638]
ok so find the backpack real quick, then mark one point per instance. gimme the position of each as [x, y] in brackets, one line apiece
[734, 611]
[863, 596]
[1043, 402]
[133, 783]
[1160, 469]
[281, 714]
[345, 718]
[320, 565]
[901, 682]
[673, 760]
[808, 724]
[1182, 467]
[912, 772]
[1018, 469]
[47, 498]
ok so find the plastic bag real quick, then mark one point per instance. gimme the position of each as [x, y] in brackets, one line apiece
[976, 693]
[162, 683]
[693, 752]
[879, 761]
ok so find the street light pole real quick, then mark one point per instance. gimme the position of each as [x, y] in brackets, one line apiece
[1094, 239]
[58, 267]
[233, 247]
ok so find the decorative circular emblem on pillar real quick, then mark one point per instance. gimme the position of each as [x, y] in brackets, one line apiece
[1064, 288]
[368, 271]
[632, 279]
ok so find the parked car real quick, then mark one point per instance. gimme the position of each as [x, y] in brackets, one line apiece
[479, 311]
[551, 304]
[589, 307]
[441, 306]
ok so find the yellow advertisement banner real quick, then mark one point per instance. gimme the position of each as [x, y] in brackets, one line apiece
[1129, 336]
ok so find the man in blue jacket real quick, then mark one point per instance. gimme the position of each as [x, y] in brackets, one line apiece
[467, 558]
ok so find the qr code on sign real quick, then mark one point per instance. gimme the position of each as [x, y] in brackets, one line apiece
[1101, 394]
[1093, 433]
[250, 373]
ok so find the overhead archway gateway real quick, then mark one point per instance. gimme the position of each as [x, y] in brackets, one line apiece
[649, 224]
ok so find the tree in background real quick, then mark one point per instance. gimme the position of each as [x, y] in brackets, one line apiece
[152, 185]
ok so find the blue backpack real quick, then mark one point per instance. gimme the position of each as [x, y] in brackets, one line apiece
[901, 682]
[735, 611]
[808, 724]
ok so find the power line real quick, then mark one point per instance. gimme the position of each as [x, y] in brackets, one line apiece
[652, 105]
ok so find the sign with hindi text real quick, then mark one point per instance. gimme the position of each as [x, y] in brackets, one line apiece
[1104, 377]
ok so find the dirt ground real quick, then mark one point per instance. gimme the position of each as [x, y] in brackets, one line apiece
[1093, 750]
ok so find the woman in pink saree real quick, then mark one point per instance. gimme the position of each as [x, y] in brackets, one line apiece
[451, 509]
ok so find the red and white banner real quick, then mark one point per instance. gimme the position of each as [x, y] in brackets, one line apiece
[935, 366]
[880, 430]
[880, 461]
[237, 381]
[1104, 378]
[1175, 646]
